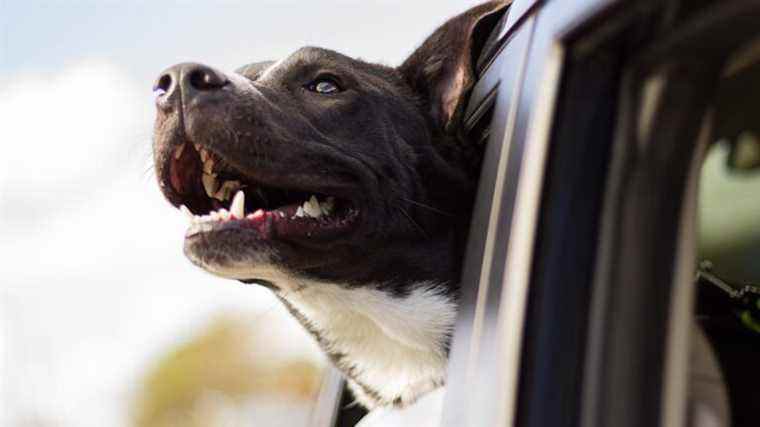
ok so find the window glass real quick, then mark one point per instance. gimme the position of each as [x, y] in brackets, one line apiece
[728, 279]
[730, 212]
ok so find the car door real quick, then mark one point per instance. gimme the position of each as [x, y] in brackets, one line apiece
[578, 284]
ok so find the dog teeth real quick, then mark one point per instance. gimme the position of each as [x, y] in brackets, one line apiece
[214, 189]
[311, 207]
[186, 211]
[208, 163]
[237, 208]
[178, 151]
[327, 206]
[210, 184]
[207, 159]
[201, 223]
[226, 191]
[258, 214]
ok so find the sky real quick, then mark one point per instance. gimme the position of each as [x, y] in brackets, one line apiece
[93, 284]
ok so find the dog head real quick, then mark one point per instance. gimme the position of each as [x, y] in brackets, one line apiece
[326, 168]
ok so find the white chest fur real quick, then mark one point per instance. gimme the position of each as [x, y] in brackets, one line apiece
[391, 348]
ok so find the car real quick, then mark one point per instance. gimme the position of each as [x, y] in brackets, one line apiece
[579, 282]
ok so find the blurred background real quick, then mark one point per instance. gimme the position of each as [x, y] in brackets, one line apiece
[103, 322]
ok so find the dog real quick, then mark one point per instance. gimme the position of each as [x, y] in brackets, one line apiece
[343, 186]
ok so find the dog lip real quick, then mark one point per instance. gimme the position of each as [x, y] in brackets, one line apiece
[179, 177]
[305, 232]
[279, 224]
[182, 183]
[274, 175]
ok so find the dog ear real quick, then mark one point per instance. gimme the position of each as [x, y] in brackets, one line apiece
[442, 70]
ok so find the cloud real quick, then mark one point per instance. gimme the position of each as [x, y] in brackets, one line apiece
[69, 142]
[93, 283]
[61, 128]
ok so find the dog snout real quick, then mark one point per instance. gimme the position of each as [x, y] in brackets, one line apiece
[185, 83]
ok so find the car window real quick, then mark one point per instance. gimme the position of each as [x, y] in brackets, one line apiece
[728, 270]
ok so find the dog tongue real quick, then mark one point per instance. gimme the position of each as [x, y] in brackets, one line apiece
[269, 223]
[262, 221]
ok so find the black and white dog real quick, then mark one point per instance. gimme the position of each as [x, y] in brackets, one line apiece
[345, 187]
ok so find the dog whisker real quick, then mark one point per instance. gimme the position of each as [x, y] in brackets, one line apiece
[422, 230]
[428, 207]
[148, 170]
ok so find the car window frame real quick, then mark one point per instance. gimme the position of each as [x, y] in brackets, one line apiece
[505, 280]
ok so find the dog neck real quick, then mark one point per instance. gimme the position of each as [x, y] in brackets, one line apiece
[391, 348]
[388, 336]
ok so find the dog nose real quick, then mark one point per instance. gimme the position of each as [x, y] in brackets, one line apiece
[189, 79]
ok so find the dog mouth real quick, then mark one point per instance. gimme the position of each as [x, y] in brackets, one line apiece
[218, 197]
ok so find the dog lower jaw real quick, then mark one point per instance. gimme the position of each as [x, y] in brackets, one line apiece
[392, 349]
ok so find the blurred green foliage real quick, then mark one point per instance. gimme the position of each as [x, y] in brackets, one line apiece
[216, 377]
[729, 218]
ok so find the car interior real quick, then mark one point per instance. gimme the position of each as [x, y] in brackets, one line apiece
[728, 269]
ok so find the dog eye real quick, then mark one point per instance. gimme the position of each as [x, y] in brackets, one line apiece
[324, 86]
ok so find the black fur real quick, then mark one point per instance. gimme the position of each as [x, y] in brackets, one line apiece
[390, 142]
